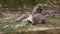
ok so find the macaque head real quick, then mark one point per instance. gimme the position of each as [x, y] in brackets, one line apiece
[39, 9]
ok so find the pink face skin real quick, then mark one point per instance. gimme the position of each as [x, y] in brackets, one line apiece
[41, 20]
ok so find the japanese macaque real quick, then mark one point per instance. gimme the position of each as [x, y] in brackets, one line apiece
[38, 17]
[34, 17]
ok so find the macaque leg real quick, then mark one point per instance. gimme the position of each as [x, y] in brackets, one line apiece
[29, 19]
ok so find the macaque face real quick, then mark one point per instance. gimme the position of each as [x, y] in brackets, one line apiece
[39, 9]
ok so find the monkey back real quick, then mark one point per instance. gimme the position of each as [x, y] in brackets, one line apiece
[37, 18]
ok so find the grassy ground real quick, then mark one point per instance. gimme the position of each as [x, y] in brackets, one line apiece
[49, 31]
[6, 25]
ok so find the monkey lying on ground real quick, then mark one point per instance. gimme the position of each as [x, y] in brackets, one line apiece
[35, 17]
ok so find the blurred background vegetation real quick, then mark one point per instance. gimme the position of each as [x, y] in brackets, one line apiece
[18, 4]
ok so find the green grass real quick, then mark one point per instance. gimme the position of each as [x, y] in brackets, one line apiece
[12, 26]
